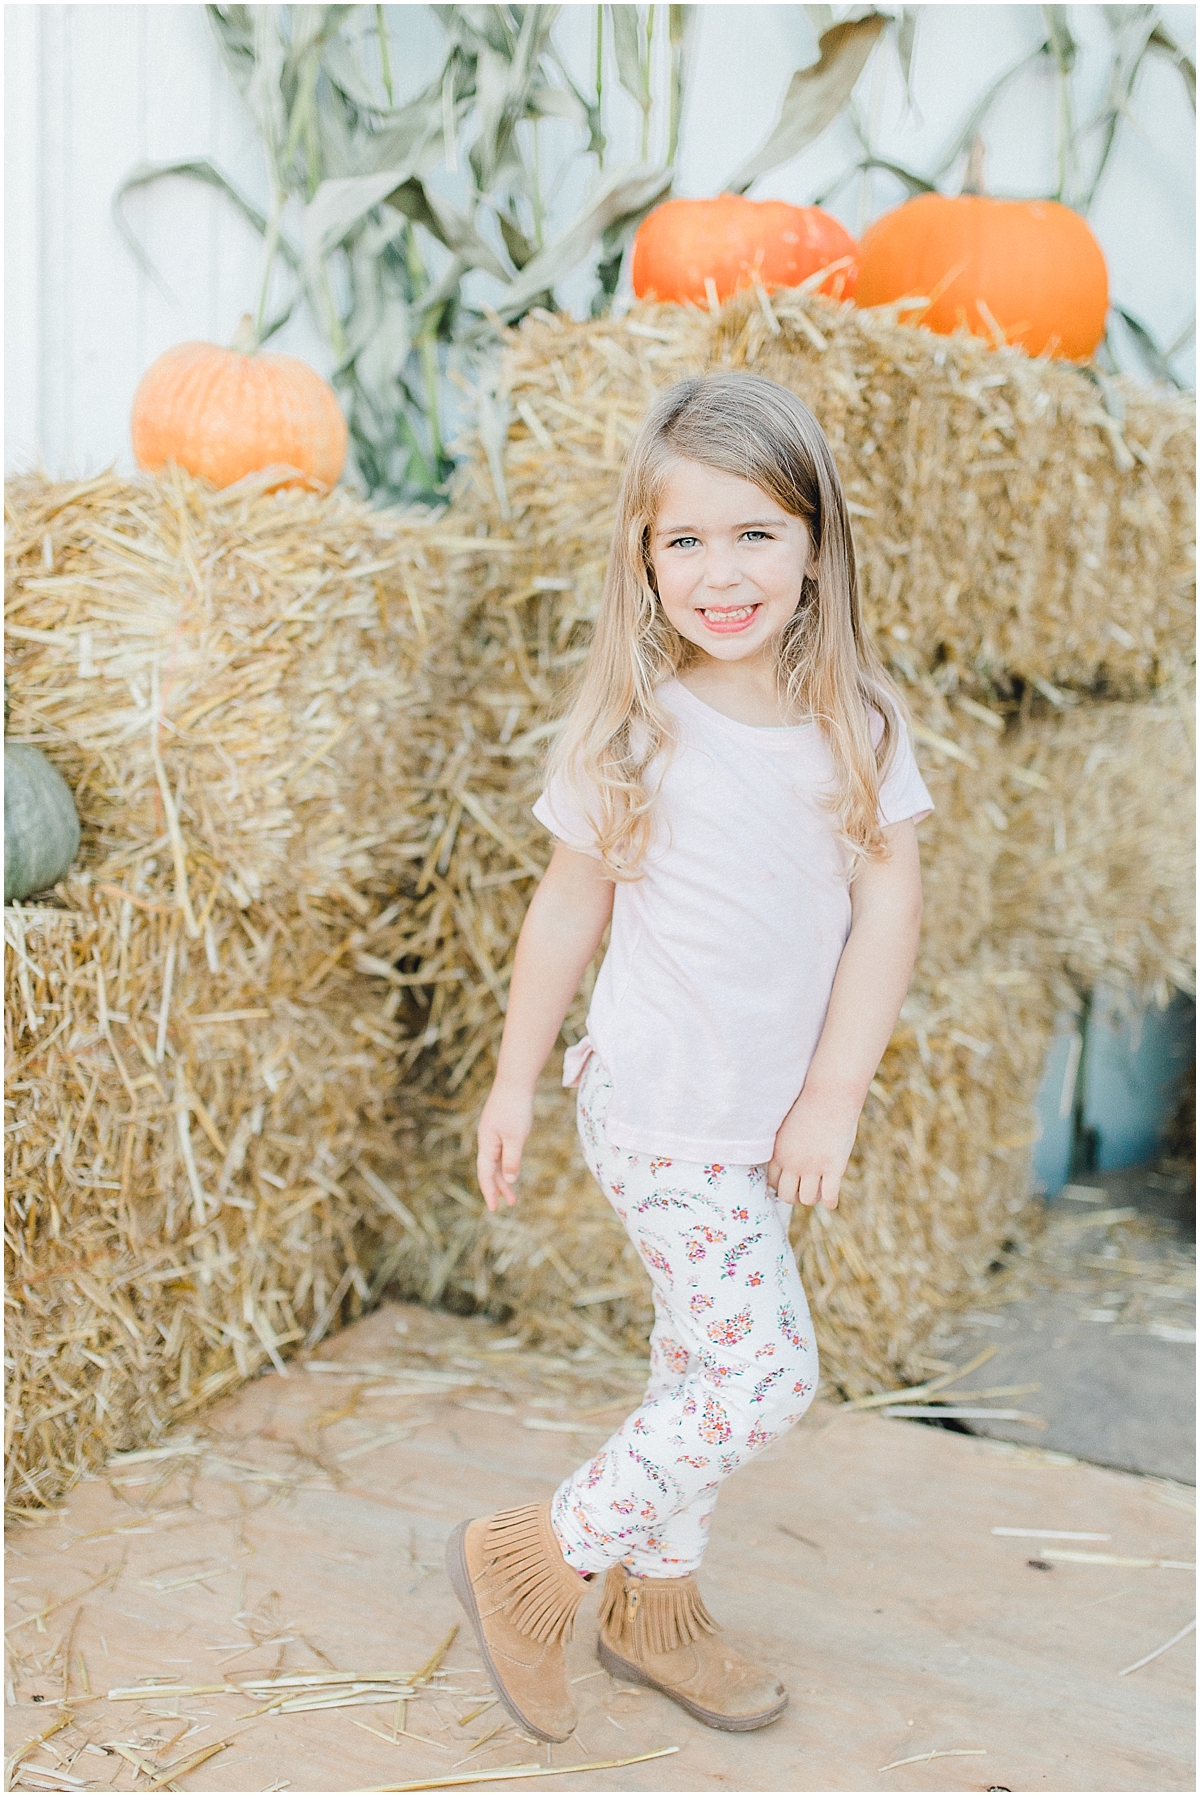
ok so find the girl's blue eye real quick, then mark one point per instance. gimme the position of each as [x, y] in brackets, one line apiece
[686, 542]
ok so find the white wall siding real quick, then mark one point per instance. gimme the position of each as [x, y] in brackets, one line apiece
[93, 89]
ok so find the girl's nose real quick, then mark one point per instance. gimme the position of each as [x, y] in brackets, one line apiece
[721, 571]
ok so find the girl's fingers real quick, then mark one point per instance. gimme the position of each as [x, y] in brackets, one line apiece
[830, 1187]
[495, 1177]
[485, 1169]
[810, 1188]
[509, 1154]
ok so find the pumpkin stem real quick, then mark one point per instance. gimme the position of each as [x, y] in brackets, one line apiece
[973, 179]
[245, 338]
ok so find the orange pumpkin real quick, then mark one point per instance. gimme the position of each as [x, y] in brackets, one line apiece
[1030, 269]
[730, 241]
[222, 413]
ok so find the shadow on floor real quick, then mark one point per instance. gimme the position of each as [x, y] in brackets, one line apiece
[1098, 1323]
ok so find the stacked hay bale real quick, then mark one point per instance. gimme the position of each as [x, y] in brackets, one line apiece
[1024, 540]
[202, 1033]
[1096, 873]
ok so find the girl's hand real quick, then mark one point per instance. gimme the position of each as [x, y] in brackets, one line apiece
[812, 1147]
[504, 1127]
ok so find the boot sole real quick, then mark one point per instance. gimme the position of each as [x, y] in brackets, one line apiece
[460, 1578]
[729, 1724]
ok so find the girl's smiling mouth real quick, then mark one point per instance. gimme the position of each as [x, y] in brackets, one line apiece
[730, 618]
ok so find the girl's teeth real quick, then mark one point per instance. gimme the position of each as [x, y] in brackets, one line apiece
[728, 617]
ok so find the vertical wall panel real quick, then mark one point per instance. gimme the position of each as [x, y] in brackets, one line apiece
[182, 240]
[105, 45]
[54, 197]
[22, 261]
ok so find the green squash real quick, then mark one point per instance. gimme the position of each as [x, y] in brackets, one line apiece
[41, 826]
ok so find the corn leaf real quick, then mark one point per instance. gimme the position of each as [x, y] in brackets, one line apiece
[814, 97]
[339, 66]
[199, 168]
[1187, 335]
[624, 190]
[632, 72]
[557, 102]
[1161, 40]
[970, 130]
[906, 38]
[339, 206]
[411, 134]
[450, 227]
[520, 249]
[1063, 47]
[264, 90]
[1132, 42]
[1148, 348]
[912, 181]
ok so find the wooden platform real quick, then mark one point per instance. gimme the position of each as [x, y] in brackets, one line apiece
[300, 1532]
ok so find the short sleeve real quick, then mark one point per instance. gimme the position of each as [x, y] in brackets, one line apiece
[903, 792]
[560, 811]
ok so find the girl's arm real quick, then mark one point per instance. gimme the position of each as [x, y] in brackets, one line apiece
[815, 1138]
[567, 916]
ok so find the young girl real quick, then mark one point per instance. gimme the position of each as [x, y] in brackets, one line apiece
[733, 785]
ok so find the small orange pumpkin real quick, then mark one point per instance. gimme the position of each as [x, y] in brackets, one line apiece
[1030, 269]
[223, 413]
[684, 244]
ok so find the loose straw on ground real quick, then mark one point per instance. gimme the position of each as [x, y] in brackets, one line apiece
[1159, 1650]
[951, 1752]
[534, 1770]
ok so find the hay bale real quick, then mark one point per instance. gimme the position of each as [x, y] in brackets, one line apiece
[1013, 521]
[176, 1220]
[229, 676]
[202, 1046]
[1096, 872]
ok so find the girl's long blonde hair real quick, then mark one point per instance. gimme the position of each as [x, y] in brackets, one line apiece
[612, 722]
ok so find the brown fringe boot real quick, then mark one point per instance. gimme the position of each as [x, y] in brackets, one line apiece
[520, 1594]
[657, 1631]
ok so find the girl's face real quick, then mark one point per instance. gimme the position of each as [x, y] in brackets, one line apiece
[728, 561]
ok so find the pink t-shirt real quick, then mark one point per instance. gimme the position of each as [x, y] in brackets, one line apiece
[711, 998]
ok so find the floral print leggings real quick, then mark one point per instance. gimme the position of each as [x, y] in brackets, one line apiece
[732, 1357]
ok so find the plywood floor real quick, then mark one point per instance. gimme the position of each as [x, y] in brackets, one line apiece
[303, 1527]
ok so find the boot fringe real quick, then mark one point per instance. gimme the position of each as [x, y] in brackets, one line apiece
[653, 1615]
[531, 1574]
[612, 1601]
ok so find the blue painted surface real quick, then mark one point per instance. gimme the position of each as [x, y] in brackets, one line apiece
[1130, 1070]
[1052, 1154]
